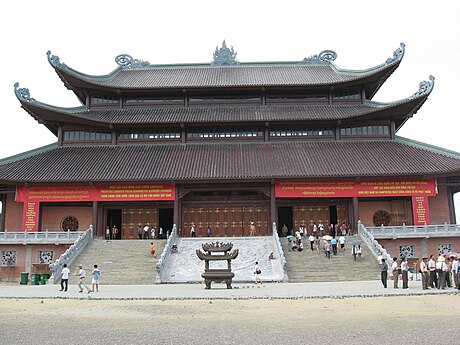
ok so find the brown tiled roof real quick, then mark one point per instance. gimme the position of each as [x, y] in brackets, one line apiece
[222, 114]
[248, 76]
[230, 161]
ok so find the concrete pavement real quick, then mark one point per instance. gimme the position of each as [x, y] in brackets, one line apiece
[219, 291]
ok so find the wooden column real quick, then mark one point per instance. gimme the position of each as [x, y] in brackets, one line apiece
[96, 228]
[354, 222]
[272, 206]
[176, 214]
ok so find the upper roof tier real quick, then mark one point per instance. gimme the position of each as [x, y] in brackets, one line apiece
[317, 71]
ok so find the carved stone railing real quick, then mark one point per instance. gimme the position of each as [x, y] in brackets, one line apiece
[374, 246]
[279, 252]
[436, 230]
[40, 236]
[71, 253]
[172, 238]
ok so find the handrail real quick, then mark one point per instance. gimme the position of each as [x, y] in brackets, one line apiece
[280, 252]
[415, 230]
[374, 246]
[70, 254]
[40, 236]
[166, 251]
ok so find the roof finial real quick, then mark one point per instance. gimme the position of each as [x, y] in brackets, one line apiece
[125, 60]
[224, 56]
[54, 60]
[325, 57]
[397, 54]
[23, 93]
[425, 87]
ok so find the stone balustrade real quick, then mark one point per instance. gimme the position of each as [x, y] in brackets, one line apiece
[40, 237]
[404, 231]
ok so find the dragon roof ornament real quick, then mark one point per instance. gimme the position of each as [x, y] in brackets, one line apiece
[424, 88]
[54, 60]
[397, 54]
[126, 60]
[224, 56]
[325, 57]
[23, 93]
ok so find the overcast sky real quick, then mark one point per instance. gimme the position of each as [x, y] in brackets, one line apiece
[87, 35]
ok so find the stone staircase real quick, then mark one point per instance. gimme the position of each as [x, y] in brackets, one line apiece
[311, 266]
[122, 262]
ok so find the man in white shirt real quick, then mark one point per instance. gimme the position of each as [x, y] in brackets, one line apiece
[395, 272]
[342, 243]
[65, 278]
[425, 274]
[405, 273]
[81, 283]
[432, 268]
[455, 272]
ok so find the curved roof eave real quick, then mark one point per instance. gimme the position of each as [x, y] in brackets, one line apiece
[75, 80]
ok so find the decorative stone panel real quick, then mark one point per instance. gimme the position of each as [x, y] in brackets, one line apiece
[45, 257]
[406, 251]
[8, 258]
[444, 248]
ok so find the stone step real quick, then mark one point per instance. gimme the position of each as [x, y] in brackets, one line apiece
[311, 266]
[121, 262]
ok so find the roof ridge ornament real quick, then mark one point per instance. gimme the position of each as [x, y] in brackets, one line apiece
[23, 93]
[325, 57]
[224, 56]
[126, 60]
[397, 54]
[425, 87]
[54, 60]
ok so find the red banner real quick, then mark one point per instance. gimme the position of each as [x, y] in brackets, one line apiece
[114, 192]
[30, 216]
[420, 209]
[347, 189]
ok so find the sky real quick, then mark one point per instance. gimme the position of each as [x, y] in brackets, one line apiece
[88, 34]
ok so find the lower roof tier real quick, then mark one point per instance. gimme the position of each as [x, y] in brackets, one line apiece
[229, 161]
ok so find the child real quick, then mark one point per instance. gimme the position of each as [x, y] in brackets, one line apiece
[96, 275]
[152, 250]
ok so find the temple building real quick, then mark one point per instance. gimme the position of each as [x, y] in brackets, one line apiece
[229, 145]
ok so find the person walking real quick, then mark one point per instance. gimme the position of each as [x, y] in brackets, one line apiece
[405, 273]
[395, 272]
[311, 238]
[65, 273]
[96, 277]
[139, 232]
[383, 272]
[152, 250]
[354, 252]
[424, 272]
[257, 273]
[82, 274]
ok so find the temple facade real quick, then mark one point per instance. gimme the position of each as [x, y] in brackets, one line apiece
[228, 145]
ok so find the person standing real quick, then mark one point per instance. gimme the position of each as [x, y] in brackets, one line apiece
[425, 274]
[252, 229]
[257, 273]
[455, 272]
[311, 238]
[327, 249]
[65, 278]
[193, 231]
[82, 274]
[152, 232]
[146, 232]
[139, 232]
[441, 269]
[432, 268]
[107, 233]
[208, 231]
[395, 272]
[359, 251]
[383, 272]
[96, 276]
[115, 232]
[405, 273]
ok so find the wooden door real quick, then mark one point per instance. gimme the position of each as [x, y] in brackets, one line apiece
[134, 217]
